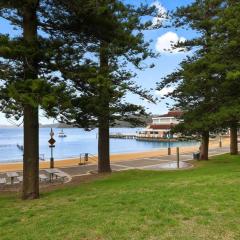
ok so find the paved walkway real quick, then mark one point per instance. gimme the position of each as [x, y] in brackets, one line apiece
[151, 163]
[146, 163]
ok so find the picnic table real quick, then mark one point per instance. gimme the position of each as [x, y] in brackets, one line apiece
[3, 181]
[12, 175]
[43, 177]
[51, 173]
[61, 175]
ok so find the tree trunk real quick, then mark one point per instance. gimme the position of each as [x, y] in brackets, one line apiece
[31, 154]
[233, 140]
[31, 124]
[204, 146]
[104, 114]
[103, 146]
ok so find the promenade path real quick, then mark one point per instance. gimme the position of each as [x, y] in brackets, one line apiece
[148, 163]
[155, 161]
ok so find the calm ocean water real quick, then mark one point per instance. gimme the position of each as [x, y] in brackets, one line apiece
[77, 141]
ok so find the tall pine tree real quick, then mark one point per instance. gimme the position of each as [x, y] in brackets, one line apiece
[196, 83]
[25, 71]
[103, 79]
[226, 55]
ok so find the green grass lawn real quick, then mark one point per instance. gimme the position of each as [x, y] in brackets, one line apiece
[201, 203]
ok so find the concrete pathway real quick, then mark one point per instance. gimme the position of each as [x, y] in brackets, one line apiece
[148, 163]
[151, 163]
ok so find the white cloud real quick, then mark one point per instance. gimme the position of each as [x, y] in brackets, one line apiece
[162, 14]
[164, 91]
[166, 42]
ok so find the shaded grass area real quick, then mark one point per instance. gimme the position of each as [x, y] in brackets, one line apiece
[201, 203]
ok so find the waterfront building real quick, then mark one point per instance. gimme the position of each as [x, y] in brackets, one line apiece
[161, 125]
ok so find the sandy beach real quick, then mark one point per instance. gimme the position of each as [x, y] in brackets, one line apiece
[4, 167]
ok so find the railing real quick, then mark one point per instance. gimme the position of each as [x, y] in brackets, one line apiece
[20, 147]
[123, 135]
[41, 156]
[85, 157]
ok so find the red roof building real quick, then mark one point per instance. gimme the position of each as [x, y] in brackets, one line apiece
[175, 114]
[161, 125]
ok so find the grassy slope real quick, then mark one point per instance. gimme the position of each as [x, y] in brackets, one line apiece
[202, 203]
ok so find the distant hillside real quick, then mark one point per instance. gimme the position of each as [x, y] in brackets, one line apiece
[125, 124]
[7, 126]
[118, 124]
[55, 125]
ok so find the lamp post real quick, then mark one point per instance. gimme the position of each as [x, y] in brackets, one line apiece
[169, 143]
[169, 139]
[51, 145]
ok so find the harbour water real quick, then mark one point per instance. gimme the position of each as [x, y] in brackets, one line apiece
[77, 141]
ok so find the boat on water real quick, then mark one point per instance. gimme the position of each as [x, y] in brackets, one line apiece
[62, 134]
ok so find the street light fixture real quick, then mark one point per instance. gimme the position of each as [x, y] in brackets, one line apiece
[169, 139]
[51, 145]
[169, 143]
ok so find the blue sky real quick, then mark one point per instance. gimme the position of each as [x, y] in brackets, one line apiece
[165, 64]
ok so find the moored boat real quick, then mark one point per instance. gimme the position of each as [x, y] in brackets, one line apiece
[62, 134]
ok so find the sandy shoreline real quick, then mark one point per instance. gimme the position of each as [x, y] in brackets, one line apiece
[114, 157]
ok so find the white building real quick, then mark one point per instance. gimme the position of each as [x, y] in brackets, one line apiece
[161, 125]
